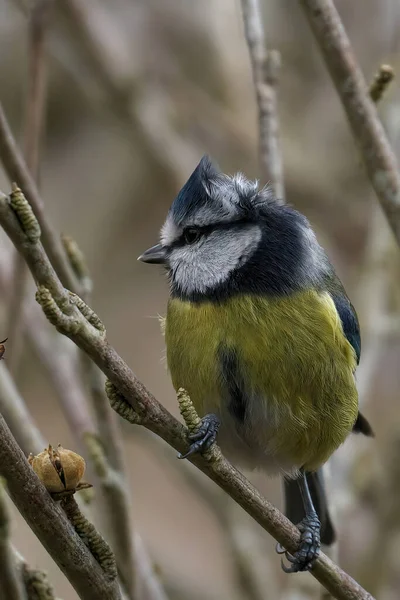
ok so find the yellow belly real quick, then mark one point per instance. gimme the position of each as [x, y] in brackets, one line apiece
[297, 367]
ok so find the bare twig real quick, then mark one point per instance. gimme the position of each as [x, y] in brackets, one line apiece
[11, 585]
[17, 170]
[265, 66]
[35, 110]
[50, 524]
[77, 321]
[378, 157]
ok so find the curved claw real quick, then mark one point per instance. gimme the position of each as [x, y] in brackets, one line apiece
[204, 437]
[308, 549]
[291, 569]
[192, 450]
[292, 559]
[279, 549]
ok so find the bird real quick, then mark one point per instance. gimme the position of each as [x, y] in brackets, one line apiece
[262, 335]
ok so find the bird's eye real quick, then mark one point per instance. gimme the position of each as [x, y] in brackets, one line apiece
[191, 235]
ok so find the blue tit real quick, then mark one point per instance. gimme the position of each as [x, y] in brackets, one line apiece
[261, 334]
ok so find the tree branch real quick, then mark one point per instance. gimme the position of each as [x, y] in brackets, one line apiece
[17, 171]
[265, 67]
[376, 152]
[77, 321]
[35, 111]
[50, 524]
[11, 586]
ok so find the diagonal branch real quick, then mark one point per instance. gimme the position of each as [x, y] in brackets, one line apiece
[77, 321]
[376, 152]
[17, 170]
[11, 585]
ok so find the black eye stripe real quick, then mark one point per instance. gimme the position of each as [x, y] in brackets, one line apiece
[207, 229]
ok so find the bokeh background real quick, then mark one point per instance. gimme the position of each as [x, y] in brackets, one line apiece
[125, 127]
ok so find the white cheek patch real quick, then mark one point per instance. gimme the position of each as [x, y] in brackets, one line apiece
[207, 264]
[169, 232]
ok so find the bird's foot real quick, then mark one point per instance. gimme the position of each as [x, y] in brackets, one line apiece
[309, 546]
[204, 437]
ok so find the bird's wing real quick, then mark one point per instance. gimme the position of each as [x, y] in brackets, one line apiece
[346, 312]
[348, 317]
[351, 330]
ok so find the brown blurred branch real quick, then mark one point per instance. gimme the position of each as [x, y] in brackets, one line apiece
[11, 586]
[121, 96]
[50, 524]
[265, 66]
[77, 321]
[35, 112]
[378, 157]
[37, 84]
[17, 171]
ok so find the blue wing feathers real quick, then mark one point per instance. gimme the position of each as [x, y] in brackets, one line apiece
[348, 317]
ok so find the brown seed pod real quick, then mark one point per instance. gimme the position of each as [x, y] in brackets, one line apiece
[58, 469]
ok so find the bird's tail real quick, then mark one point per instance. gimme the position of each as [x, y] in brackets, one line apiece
[294, 505]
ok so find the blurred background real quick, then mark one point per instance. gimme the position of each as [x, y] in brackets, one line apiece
[128, 117]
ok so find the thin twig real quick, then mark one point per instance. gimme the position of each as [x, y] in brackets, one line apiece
[35, 111]
[17, 170]
[265, 66]
[50, 524]
[11, 585]
[378, 157]
[77, 321]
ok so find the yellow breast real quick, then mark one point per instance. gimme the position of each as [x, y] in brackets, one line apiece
[296, 363]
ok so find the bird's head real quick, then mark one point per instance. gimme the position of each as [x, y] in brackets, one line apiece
[224, 236]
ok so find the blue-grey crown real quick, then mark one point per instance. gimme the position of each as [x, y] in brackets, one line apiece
[208, 191]
[195, 193]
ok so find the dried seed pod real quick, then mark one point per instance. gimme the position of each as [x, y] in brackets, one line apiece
[58, 469]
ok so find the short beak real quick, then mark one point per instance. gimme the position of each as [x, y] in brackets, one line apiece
[155, 255]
